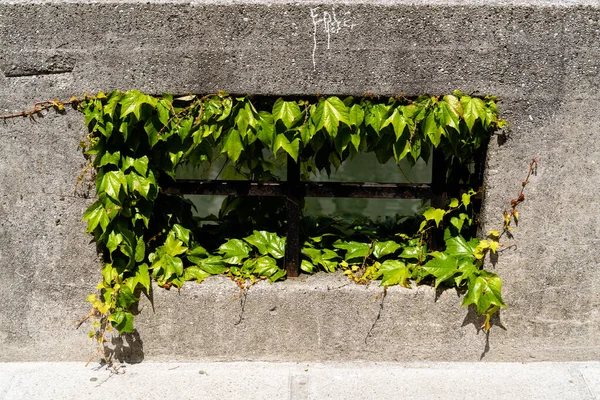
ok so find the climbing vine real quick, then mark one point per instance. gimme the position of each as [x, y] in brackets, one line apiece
[137, 142]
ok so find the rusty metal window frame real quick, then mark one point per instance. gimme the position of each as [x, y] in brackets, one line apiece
[294, 190]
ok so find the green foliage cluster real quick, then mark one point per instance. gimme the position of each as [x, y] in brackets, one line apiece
[137, 142]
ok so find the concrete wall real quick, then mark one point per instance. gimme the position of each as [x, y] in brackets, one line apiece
[541, 57]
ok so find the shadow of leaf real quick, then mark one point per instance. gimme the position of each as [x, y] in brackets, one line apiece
[477, 320]
[126, 348]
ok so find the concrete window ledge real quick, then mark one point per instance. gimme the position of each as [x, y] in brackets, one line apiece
[326, 317]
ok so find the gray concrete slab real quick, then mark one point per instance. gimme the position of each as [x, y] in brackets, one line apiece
[542, 57]
[300, 381]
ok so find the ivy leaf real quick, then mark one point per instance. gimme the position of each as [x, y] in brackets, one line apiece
[213, 265]
[242, 121]
[143, 276]
[342, 140]
[112, 207]
[356, 115]
[128, 245]
[494, 245]
[355, 139]
[292, 148]
[227, 104]
[415, 148]
[152, 127]
[139, 164]
[96, 215]
[112, 182]
[109, 274]
[395, 273]
[184, 127]
[329, 113]
[376, 115]
[233, 145]
[313, 254]
[466, 199]
[307, 266]
[196, 254]
[265, 266]
[329, 254]
[195, 273]
[442, 266]
[468, 270]
[432, 130]
[474, 108]
[449, 111]
[458, 247]
[322, 258]
[113, 100]
[481, 248]
[353, 249]
[280, 274]
[174, 246]
[436, 214]
[307, 131]
[247, 269]
[266, 129]
[132, 102]
[286, 111]
[381, 249]
[417, 111]
[267, 242]
[234, 251]
[163, 108]
[181, 233]
[114, 239]
[412, 252]
[485, 292]
[136, 183]
[457, 223]
[175, 157]
[170, 265]
[109, 158]
[401, 149]
[125, 298]
[398, 121]
[142, 211]
[122, 321]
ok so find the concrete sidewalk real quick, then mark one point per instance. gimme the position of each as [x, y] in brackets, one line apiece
[262, 380]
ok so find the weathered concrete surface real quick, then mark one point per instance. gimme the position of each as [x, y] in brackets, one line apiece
[541, 57]
[302, 381]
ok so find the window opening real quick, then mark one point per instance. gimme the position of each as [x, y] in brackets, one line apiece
[295, 190]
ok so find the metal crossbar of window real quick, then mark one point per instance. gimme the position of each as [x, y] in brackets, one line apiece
[294, 190]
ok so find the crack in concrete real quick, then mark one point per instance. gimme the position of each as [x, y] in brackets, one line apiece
[243, 297]
[586, 383]
[21, 74]
[378, 314]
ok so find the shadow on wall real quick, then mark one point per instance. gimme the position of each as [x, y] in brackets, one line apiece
[126, 348]
[129, 347]
[473, 318]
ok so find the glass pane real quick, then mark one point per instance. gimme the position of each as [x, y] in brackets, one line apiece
[365, 168]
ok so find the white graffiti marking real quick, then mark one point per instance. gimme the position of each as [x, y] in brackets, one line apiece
[331, 25]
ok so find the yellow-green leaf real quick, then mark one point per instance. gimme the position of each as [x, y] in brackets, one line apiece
[286, 111]
[436, 214]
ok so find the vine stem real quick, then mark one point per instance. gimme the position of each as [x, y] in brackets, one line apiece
[368, 253]
[40, 106]
[514, 214]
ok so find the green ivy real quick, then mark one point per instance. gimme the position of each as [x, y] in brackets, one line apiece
[137, 142]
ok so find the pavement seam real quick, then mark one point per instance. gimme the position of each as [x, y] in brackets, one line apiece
[587, 384]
